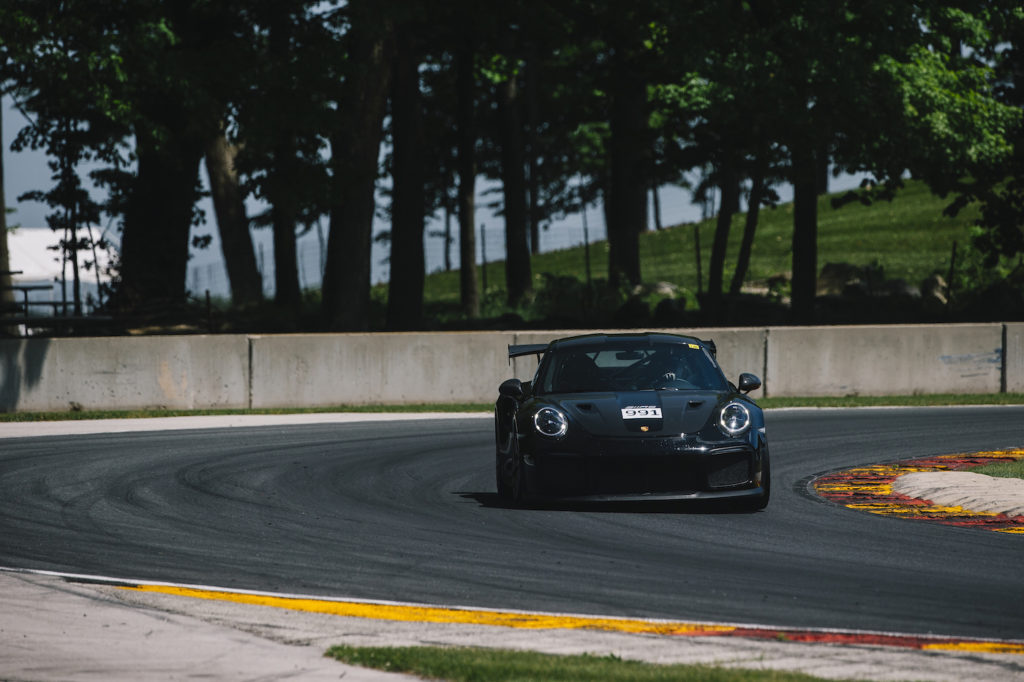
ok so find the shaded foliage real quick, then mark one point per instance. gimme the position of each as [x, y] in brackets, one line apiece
[565, 103]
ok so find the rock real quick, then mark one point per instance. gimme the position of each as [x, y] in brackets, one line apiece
[836, 277]
[935, 289]
[899, 287]
[662, 289]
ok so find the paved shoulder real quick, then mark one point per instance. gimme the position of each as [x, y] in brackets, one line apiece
[88, 426]
[53, 630]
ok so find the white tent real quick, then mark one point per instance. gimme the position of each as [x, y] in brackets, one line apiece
[30, 253]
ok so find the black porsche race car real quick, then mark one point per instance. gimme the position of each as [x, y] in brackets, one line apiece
[630, 417]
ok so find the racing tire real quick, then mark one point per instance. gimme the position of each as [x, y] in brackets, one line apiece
[509, 475]
[761, 501]
[499, 476]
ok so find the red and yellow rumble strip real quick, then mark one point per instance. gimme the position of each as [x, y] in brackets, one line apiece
[551, 621]
[869, 488]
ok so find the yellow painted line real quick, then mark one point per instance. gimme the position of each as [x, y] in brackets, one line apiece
[885, 489]
[430, 614]
[1000, 454]
[978, 647]
[921, 510]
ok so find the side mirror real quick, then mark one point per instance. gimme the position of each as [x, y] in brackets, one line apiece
[749, 382]
[513, 388]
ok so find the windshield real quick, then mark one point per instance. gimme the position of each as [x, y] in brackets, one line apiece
[630, 366]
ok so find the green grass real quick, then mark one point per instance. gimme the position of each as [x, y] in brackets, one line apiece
[1003, 469]
[767, 403]
[495, 665]
[908, 237]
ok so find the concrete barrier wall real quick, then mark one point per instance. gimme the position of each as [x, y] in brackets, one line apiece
[351, 369]
[306, 370]
[408, 368]
[891, 360]
[1013, 345]
[123, 373]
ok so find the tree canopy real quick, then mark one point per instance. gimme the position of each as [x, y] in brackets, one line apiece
[564, 102]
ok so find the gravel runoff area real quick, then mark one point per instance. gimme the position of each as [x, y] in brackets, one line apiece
[52, 629]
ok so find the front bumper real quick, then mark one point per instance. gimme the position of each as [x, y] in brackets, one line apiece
[654, 468]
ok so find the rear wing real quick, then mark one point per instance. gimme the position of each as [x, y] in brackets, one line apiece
[526, 349]
[539, 348]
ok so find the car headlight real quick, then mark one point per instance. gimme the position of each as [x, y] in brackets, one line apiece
[550, 422]
[734, 419]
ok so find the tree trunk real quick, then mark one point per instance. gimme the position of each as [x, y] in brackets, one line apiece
[447, 236]
[466, 168]
[629, 174]
[805, 233]
[729, 200]
[6, 279]
[158, 219]
[232, 224]
[281, 175]
[532, 115]
[405, 289]
[821, 165]
[656, 207]
[287, 292]
[749, 228]
[517, 250]
[355, 145]
[697, 257]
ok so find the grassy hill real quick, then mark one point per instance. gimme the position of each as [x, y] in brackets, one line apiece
[908, 238]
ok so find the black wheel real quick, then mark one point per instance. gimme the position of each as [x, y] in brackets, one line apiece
[761, 501]
[499, 476]
[509, 474]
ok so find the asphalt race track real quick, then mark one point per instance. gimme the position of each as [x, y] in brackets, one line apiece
[406, 511]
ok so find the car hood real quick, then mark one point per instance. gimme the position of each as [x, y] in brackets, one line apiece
[603, 414]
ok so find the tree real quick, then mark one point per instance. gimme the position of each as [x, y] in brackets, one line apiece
[355, 143]
[405, 289]
[6, 294]
[720, 120]
[232, 223]
[6, 279]
[886, 87]
[991, 37]
[556, 100]
[760, 193]
[282, 120]
[629, 145]
[518, 277]
[57, 79]
[466, 170]
[177, 65]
